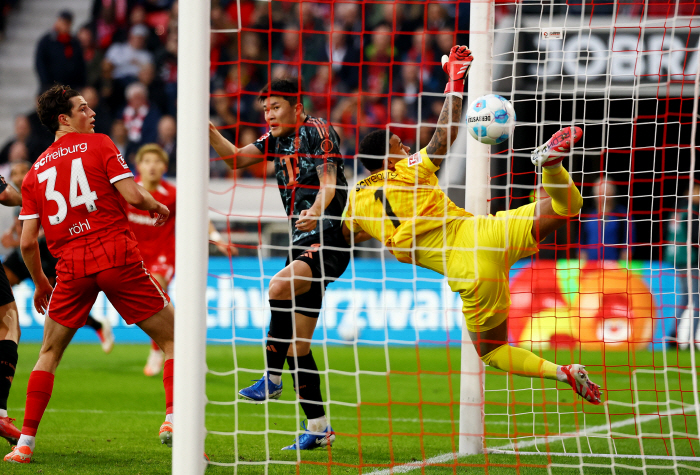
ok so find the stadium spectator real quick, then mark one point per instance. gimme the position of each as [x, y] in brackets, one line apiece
[167, 140]
[380, 53]
[109, 16]
[23, 134]
[120, 137]
[92, 55]
[156, 89]
[59, 56]
[679, 229]
[103, 115]
[128, 58]
[140, 117]
[342, 53]
[606, 231]
[400, 116]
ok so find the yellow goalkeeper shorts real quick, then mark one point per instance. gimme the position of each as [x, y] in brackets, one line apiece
[476, 254]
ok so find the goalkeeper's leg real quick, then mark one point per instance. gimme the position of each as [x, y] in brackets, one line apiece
[494, 350]
[565, 199]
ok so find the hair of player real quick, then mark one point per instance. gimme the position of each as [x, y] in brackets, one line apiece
[287, 88]
[54, 102]
[152, 148]
[375, 144]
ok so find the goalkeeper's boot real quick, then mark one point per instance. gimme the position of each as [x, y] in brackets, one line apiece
[556, 147]
[20, 455]
[577, 377]
[9, 431]
[166, 433]
[106, 336]
[312, 440]
[262, 389]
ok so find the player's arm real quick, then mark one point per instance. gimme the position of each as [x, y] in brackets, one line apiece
[233, 156]
[29, 245]
[10, 197]
[358, 235]
[456, 65]
[139, 198]
[327, 177]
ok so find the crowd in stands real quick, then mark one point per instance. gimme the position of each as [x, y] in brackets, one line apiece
[361, 65]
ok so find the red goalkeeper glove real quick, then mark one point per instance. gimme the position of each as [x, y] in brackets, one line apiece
[457, 67]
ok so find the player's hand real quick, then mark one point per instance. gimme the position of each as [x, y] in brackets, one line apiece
[308, 220]
[42, 294]
[215, 138]
[457, 65]
[161, 214]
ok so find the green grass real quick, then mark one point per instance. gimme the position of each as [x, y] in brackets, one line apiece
[104, 415]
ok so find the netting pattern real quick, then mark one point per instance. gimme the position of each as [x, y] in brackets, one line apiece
[606, 290]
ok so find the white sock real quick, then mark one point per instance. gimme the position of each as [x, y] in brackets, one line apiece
[26, 440]
[3, 412]
[318, 425]
[275, 378]
[169, 418]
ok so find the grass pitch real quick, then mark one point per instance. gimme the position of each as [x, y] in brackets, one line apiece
[104, 415]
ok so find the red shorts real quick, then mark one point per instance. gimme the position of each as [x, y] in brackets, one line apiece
[162, 266]
[130, 288]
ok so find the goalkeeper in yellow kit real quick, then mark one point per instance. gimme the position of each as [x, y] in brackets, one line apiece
[401, 205]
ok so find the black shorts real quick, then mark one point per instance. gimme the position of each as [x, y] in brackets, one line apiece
[6, 295]
[15, 262]
[327, 262]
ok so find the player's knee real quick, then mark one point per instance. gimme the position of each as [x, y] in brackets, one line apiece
[489, 358]
[302, 348]
[279, 289]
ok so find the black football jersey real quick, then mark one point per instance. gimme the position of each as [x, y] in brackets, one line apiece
[296, 158]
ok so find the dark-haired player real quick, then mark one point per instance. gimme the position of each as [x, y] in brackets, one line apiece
[76, 191]
[309, 169]
[423, 226]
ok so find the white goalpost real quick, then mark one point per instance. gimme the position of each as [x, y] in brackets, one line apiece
[191, 233]
[561, 64]
[477, 183]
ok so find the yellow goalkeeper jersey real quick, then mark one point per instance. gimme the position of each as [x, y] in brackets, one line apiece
[396, 206]
[407, 211]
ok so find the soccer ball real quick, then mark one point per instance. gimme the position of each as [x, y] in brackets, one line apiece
[490, 119]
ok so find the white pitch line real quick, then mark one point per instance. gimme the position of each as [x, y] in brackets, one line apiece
[674, 458]
[444, 458]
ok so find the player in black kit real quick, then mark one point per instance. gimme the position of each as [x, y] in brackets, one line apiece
[9, 331]
[309, 170]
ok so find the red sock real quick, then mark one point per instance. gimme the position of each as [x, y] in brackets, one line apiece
[38, 394]
[168, 385]
[155, 346]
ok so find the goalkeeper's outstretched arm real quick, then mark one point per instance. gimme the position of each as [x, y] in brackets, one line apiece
[233, 156]
[456, 65]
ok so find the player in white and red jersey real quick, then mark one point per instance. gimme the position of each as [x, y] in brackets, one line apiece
[77, 191]
[157, 244]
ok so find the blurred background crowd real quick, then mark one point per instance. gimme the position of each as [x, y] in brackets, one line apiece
[361, 65]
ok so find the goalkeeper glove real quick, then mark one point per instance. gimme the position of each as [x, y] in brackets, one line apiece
[457, 67]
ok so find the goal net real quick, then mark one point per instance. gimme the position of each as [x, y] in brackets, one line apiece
[613, 289]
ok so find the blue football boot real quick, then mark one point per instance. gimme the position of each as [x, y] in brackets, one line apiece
[312, 440]
[262, 389]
